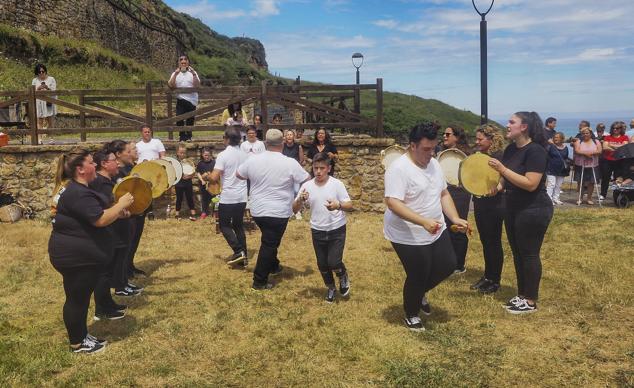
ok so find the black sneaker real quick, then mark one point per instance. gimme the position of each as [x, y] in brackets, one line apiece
[512, 302]
[135, 287]
[414, 324]
[237, 258]
[344, 285]
[138, 272]
[425, 306]
[119, 307]
[276, 271]
[127, 291]
[97, 340]
[330, 295]
[261, 287]
[150, 216]
[110, 315]
[88, 346]
[489, 288]
[523, 307]
[478, 284]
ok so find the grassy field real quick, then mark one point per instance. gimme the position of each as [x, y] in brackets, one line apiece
[199, 324]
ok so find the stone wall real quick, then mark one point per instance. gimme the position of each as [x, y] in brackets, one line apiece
[96, 20]
[27, 172]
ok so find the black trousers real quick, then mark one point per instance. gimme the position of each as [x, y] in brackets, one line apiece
[608, 167]
[489, 220]
[425, 266]
[138, 224]
[460, 241]
[79, 283]
[205, 199]
[272, 229]
[329, 247]
[120, 267]
[187, 191]
[231, 220]
[525, 230]
[184, 106]
[103, 298]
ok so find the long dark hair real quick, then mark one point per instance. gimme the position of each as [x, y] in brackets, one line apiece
[68, 163]
[327, 139]
[535, 127]
[462, 144]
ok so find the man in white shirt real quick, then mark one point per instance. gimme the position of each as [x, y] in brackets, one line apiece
[233, 198]
[273, 177]
[328, 199]
[416, 197]
[185, 77]
[149, 148]
[252, 146]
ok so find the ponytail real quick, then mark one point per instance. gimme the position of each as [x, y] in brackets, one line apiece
[535, 126]
[67, 165]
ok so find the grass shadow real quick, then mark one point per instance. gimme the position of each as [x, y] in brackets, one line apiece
[290, 273]
[151, 266]
[114, 330]
[394, 315]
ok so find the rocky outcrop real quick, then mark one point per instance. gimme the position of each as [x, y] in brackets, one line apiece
[28, 172]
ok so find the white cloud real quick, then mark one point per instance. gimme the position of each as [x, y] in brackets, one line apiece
[209, 12]
[264, 8]
[588, 55]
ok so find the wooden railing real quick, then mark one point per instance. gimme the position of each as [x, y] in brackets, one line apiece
[213, 100]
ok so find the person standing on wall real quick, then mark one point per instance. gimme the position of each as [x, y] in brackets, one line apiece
[185, 77]
[46, 111]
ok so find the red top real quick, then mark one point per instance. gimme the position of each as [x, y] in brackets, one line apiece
[622, 139]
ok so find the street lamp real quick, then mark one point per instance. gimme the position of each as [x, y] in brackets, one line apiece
[484, 110]
[357, 61]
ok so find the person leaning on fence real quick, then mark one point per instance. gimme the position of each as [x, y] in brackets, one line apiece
[558, 167]
[80, 243]
[328, 200]
[185, 77]
[611, 166]
[46, 111]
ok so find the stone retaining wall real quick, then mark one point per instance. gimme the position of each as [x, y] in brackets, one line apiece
[28, 172]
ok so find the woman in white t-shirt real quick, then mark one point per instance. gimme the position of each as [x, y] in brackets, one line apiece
[416, 197]
[185, 77]
[328, 199]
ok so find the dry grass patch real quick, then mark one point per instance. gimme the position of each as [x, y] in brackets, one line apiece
[199, 324]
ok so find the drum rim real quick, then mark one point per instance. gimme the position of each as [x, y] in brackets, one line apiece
[460, 157]
[166, 164]
[175, 162]
[460, 169]
[130, 177]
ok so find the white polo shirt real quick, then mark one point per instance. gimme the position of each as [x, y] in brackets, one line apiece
[320, 217]
[150, 150]
[234, 190]
[257, 147]
[420, 189]
[273, 177]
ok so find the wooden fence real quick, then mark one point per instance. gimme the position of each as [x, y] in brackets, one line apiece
[317, 101]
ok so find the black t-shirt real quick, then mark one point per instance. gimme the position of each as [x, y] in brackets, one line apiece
[121, 227]
[75, 241]
[203, 167]
[530, 158]
[328, 147]
[292, 151]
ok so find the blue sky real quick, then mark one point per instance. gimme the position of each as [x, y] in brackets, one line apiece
[564, 57]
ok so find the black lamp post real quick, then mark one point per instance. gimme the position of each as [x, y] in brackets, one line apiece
[357, 61]
[484, 110]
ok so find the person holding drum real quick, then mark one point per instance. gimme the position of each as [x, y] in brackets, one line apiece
[233, 199]
[80, 243]
[184, 187]
[528, 207]
[416, 197]
[455, 137]
[203, 169]
[489, 215]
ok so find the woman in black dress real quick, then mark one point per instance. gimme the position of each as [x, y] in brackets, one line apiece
[528, 207]
[80, 243]
[323, 143]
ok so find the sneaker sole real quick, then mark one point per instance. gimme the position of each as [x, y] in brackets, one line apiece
[96, 318]
[89, 353]
[425, 312]
[415, 329]
[346, 293]
[515, 312]
[235, 261]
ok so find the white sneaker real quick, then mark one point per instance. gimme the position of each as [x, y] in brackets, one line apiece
[601, 198]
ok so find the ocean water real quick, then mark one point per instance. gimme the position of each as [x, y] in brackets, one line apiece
[570, 127]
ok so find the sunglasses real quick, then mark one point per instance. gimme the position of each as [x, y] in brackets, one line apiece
[447, 134]
[42, 71]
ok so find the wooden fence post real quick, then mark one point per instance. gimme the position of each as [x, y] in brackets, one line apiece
[148, 104]
[170, 113]
[379, 107]
[82, 115]
[264, 109]
[32, 113]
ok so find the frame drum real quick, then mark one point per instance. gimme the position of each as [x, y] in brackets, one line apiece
[390, 154]
[188, 169]
[476, 176]
[140, 190]
[169, 169]
[154, 174]
[178, 167]
[449, 161]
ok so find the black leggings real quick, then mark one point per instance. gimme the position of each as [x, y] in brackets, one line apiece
[184, 106]
[489, 220]
[103, 298]
[138, 224]
[272, 229]
[79, 283]
[460, 241]
[231, 220]
[205, 200]
[608, 167]
[329, 247]
[525, 230]
[425, 266]
[188, 191]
